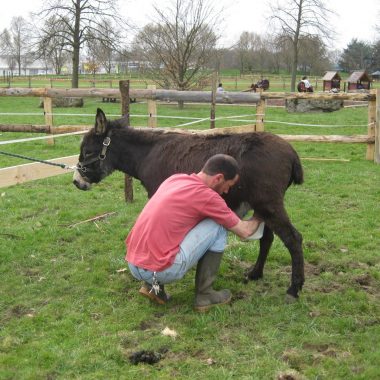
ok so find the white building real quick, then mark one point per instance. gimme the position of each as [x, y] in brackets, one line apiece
[9, 67]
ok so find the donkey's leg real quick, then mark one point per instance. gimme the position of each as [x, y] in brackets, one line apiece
[256, 271]
[292, 239]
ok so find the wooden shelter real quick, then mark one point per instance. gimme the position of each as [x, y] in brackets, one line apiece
[331, 80]
[376, 75]
[358, 80]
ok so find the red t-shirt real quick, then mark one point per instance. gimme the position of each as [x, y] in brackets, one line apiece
[179, 204]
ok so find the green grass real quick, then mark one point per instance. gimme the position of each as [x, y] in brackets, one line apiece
[67, 311]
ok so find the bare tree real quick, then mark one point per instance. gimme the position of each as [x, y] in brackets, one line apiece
[51, 46]
[104, 44]
[78, 22]
[296, 19]
[15, 43]
[179, 44]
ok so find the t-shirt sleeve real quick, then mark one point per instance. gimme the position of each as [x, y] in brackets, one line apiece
[217, 209]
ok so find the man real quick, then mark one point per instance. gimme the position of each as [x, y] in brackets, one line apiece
[307, 85]
[184, 224]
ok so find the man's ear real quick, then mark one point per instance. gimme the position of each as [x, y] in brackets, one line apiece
[219, 178]
[100, 122]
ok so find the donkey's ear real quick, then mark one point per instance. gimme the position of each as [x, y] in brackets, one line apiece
[100, 122]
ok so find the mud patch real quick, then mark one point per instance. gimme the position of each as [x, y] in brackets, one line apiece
[363, 279]
[19, 311]
[145, 356]
[239, 296]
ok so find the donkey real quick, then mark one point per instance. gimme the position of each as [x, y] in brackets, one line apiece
[268, 166]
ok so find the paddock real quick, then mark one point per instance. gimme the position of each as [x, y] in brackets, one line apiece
[72, 309]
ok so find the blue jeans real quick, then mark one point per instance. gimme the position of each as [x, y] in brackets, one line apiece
[205, 236]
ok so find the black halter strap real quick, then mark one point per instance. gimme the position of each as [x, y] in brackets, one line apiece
[83, 166]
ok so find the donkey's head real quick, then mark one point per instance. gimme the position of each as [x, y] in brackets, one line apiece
[94, 162]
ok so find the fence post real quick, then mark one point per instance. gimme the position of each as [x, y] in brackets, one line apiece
[48, 112]
[260, 114]
[124, 91]
[377, 128]
[370, 155]
[213, 101]
[152, 109]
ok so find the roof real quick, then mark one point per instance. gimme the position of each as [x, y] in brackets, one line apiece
[376, 72]
[330, 75]
[356, 76]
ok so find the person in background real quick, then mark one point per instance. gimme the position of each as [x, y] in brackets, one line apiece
[304, 85]
[220, 88]
[185, 224]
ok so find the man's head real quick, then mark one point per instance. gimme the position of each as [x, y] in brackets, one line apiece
[220, 172]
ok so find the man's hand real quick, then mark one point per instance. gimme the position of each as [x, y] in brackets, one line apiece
[246, 228]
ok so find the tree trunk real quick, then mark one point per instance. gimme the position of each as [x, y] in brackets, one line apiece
[294, 66]
[76, 46]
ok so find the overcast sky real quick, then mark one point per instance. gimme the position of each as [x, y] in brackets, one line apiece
[353, 19]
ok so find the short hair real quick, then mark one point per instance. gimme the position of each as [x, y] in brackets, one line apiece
[221, 163]
[305, 77]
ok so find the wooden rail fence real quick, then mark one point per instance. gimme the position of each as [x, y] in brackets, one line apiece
[9, 176]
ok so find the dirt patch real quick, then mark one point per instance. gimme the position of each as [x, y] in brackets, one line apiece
[363, 279]
[239, 296]
[145, 356]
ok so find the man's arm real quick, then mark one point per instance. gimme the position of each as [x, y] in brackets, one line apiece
[245, 228]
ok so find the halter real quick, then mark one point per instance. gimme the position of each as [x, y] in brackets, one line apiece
[83, 166]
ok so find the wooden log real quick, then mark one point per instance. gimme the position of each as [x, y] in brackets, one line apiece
[353, 139]
[319, 95]
[186, 96]
[30, 128]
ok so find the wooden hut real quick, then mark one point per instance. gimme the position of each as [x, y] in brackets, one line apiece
[358, 80]
[331, 80]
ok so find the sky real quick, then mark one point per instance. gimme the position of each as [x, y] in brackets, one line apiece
[354, 20]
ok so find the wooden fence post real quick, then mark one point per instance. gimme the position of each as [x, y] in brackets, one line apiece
[260, 114]
[48, 112]
[213, 101]
[152, 109]
[370, 154]
[377, 128]
[124, 91]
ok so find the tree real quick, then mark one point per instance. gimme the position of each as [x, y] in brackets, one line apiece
[15, 43]
[313, 57]
[376, 56]
[78, 21]
[51, 46]
[102, 45]
[356, 56]
[179, 44]
[296, 19]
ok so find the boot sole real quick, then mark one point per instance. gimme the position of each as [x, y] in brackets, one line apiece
[203, 309]
[145, 292]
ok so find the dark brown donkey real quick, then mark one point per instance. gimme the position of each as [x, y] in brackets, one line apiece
[268, 166]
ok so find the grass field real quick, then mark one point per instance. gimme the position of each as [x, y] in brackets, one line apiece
[69, 309]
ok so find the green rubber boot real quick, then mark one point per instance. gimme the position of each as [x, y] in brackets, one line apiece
[206, 297]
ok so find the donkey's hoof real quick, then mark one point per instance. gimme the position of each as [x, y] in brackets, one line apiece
[253, 275]
[289, 299]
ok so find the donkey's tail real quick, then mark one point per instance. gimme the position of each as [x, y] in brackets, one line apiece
[297, 171]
